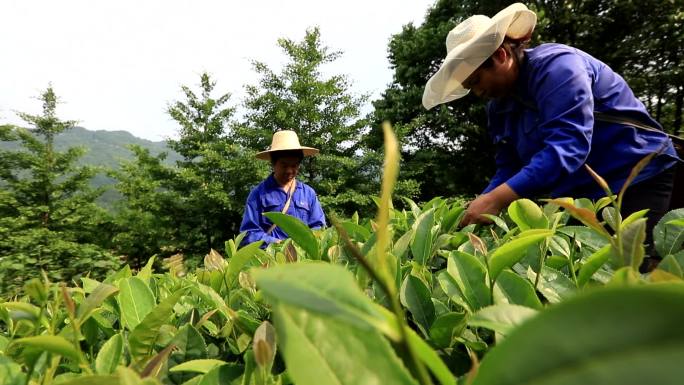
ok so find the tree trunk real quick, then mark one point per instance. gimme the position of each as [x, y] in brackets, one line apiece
[677, 123]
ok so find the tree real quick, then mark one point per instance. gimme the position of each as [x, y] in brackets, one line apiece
[198, 204]
[215, 175]
[324, 113]
[146, 218]
[49, 220]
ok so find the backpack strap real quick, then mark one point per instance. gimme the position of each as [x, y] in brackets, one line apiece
[290, 193]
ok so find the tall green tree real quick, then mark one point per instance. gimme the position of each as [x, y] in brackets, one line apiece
[48, 217]
[196, 205]
[326, 115]
[216, 173]
[145, 218]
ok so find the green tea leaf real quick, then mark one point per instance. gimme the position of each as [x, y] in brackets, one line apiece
[527, 215]
[141, 340]
[633, 236]
[451, 218]
[592, 264]
[501, 318]
[95, 299]
[51, 344]
[110, 355]
[93, 379]
[470, 276]
[639, 329]
[190, 346]
[511, 252]
[135, 300]
[516, 290]
[451, 289]
[323, 350]
[300, 233]
[554, 285]
[10, 372]
[240, 259]
[197, 366]
[446, 327]
[415, 296]
[322, 288]
[669, 238]
[421, 246]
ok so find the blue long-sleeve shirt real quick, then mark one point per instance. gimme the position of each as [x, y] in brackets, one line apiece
[267, 197]
[544, 149]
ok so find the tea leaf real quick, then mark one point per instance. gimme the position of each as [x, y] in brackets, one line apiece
[141, 340]
[94, 300]
[197, 366]
[501, 318]
[323, 350]
[553, 285]
[469, 275]
[110, 355]
[511, 252]
[415, 296]
[321, 288]
[527, 215]
[592, 264]
[633, 236]
[240, 259]
[421, 246]
[446, 327]
[516, 290]
[222, 375]
[597, 352]
[190, 346]
[298, 232]
[135, 300]
[669, 238]
[51, 344]
[585, 216]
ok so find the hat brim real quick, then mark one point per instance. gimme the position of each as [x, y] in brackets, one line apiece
[308, 151]
[446, 84]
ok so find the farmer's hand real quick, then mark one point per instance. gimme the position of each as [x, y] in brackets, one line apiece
[490, 203]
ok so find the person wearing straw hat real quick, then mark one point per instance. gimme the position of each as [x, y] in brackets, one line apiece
[551, 110]
[281, 192]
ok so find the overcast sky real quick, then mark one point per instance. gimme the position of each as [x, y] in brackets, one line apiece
[116, 64]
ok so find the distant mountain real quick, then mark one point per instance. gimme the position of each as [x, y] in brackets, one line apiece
[107, 149]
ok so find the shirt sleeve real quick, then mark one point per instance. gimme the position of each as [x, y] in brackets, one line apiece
[317, 219]
[562, 90]
[251, 221]
[507, 163]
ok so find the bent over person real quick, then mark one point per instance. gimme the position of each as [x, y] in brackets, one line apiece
[281, 192]
[552, 109]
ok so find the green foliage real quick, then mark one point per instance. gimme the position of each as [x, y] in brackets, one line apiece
[196, 205]
[48, 217]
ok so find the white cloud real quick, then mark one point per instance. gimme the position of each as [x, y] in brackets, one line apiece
[117, 64]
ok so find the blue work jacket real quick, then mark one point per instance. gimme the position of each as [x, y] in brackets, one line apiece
[546, 132]
[268, 197]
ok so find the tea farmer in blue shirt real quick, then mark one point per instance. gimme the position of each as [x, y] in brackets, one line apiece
[281, 192]
[542, 117]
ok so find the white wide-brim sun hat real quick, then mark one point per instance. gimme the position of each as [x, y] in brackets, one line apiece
[285, 140]
[469, 44]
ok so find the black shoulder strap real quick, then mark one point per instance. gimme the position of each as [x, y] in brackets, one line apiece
[609, 117]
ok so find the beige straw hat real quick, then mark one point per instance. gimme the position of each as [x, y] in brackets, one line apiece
[283, 141]
[469, 44]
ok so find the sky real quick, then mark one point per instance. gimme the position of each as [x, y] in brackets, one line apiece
[117, 64]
